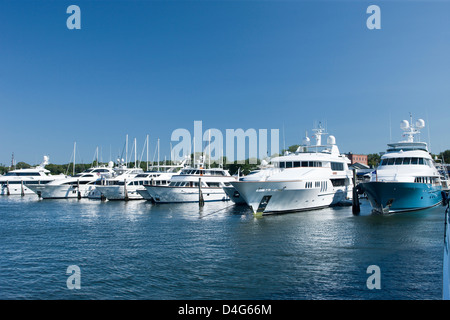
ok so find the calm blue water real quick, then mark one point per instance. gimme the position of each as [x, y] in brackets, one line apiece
[136, 250]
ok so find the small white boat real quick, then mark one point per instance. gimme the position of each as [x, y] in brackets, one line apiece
[17, 182]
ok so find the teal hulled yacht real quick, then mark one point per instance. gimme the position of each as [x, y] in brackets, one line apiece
[406, 178]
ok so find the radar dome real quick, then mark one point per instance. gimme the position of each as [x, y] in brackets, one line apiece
[110, 164]
[404, 124]
[331, 140]
[420, 123]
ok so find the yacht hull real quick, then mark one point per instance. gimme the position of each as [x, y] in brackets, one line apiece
[166, 194]
[15, 189]
[62, 191]
[120, 192]
[144, 194]
[234, 195]
[287, 196]
[390, 197]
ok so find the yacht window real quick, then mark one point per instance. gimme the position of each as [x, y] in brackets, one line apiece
[23, 174]
[282, 164]
[296, 164]
[288, 164]
[337, 166]
[406, 161]
[421, 161]
[414, 160]
[31, 182]
[384, 162]
[390, 161]
[398, 161]
[213, 184]
[338, 182]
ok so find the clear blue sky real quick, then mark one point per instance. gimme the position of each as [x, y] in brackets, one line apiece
[150, 67]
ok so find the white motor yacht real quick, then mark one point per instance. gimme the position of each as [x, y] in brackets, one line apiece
[193, 185]
[77, 186]
[313, 177]
[17, 182]
[406, 178]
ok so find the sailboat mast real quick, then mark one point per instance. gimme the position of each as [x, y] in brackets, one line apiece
[209, 147]
[135, 154]
[158, 154]
[126, 151]
[147, 152]
[74, 152]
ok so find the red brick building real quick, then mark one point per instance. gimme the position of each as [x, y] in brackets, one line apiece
[358, 158]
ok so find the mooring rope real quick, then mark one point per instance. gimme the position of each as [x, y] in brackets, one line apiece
[211, 213]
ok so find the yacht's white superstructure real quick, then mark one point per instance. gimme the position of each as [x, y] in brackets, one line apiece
[77, 186]
[17, 182]
[312, 177]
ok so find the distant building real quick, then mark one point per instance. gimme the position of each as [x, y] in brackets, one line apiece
[358, 158]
